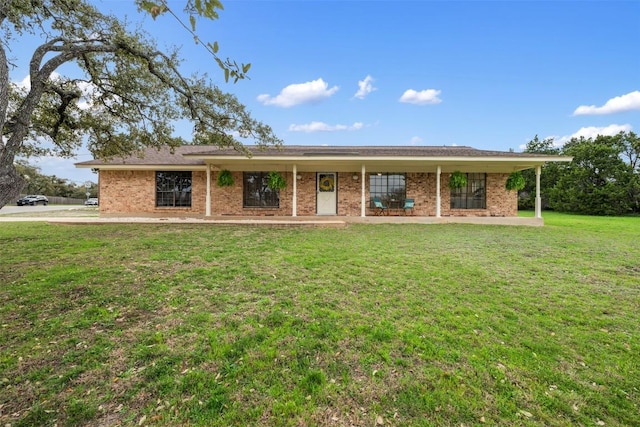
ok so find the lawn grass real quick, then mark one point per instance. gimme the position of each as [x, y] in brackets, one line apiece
[407, 325]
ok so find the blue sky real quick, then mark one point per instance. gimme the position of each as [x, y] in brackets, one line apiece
[486, 74]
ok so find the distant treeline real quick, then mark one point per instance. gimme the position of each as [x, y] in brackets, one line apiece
[52, 186]
[602, 179]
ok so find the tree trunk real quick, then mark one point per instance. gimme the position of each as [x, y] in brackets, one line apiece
[11, 183]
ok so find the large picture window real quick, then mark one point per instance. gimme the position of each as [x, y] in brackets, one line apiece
[256, 192]
[390, 188]
[473, 196]
[173, 189]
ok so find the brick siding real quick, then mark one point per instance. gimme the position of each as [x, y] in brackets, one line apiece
[133, 192]
[127, 192]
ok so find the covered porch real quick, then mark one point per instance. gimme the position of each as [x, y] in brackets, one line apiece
[352, 172]
[286, 221]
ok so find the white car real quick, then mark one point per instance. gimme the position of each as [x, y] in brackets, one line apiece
[91, 202]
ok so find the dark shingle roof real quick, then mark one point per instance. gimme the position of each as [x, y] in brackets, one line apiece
[360, 151]
[153, 156]
[189, 154]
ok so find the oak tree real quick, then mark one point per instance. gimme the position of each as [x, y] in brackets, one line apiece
[122, 94]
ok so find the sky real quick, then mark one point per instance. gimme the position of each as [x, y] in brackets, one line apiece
[486, 74]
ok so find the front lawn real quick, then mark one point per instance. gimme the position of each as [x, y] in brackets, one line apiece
[394, 325]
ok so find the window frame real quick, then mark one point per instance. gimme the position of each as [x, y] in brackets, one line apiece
[168, 184]
[473, 196]
[271, 196]
[381, 190]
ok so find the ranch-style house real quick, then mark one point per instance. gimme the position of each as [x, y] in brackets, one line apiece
[342, 181]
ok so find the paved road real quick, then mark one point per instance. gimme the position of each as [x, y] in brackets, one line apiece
[38, 209]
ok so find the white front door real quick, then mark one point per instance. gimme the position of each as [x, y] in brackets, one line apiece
[326, 193]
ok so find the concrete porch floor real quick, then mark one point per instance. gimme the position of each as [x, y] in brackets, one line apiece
[318, 221]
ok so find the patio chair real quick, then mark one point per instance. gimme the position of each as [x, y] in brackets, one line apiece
[380, 209]
[408, 206]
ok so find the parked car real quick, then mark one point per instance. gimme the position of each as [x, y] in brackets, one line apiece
[93, 201]
[33, 199]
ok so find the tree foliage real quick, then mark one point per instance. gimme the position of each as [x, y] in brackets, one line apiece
[548, 178]
[602, 179]
[195, 9]
[123, 95]
[51, 185]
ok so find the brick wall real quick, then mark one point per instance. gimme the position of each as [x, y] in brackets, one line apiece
[128, 192]
[134, 192]
[500, 202]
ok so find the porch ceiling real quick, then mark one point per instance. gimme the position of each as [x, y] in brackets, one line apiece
[488, 165]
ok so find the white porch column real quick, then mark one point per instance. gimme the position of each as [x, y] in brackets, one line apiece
[438, 172]
[294, 202]
[207, 202]
[363, 207]
[538, 198]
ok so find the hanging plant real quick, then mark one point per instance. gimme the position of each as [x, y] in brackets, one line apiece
[225, 179]
[276, 181]
[515, 181]
[457, 180]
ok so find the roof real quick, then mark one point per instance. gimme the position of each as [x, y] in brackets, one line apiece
[152, 156]
[355, 151]
[336, 158]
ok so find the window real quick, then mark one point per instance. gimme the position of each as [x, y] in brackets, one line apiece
[390, 188]
[256, 192]
[473, 196]
[173, 189]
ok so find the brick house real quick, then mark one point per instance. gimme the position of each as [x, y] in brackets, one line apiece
[320, 180]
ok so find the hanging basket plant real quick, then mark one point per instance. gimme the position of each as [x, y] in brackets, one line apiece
[225, 179]
[457, 180]
[515, 181]
[276, 181]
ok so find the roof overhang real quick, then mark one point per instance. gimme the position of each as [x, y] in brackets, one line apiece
[150, 167]
[332, 159]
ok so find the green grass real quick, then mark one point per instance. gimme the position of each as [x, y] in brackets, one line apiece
[412, 325]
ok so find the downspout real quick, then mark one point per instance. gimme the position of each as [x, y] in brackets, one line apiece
[294, 202]
[438, 172]
[207, 201]
[538, 198]
[363, 209]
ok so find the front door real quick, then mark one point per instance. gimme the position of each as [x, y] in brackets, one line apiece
[326, 194]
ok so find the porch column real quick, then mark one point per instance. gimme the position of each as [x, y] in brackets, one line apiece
[438, 172]
[538, 198]
[363, 208]
[294, 202]
[207, 202]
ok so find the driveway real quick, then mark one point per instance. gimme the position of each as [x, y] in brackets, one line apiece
[37, 210]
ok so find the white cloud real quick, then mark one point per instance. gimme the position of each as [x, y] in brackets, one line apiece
[593, 132]
[24, 83]
[428, 96]
[587, 132]
[365, 87]
[300, 93]
[324, 127]
[619, 104]
[416, 140]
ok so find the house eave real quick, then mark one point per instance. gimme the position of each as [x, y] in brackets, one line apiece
[154, 167]
[336, 159]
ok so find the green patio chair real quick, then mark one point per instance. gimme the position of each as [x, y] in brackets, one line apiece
[408, 206]
[380, 209]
